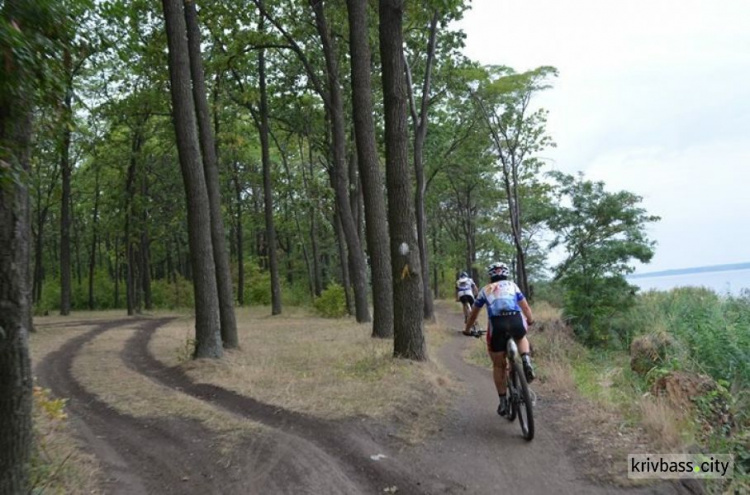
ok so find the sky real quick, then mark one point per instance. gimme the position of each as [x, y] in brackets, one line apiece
[653, 97]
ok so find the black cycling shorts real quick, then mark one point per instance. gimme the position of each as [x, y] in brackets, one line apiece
[502, 328]
[467, 299]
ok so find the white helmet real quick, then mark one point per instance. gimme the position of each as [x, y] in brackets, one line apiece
[498, 269]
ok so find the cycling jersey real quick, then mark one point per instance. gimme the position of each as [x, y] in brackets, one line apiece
[501, 298]
[464, 287]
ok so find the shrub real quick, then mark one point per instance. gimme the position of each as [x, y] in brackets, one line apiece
[332, 302]
[172, 295]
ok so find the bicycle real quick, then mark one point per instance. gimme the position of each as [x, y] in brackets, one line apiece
[467, 310]
[519, 393]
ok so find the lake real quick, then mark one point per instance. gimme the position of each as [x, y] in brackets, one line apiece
[723, 282]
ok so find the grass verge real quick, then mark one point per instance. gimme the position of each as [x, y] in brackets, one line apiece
[329, 368]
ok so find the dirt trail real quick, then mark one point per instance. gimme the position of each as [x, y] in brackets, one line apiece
[296, 454]
[485, 453]
[477, 452]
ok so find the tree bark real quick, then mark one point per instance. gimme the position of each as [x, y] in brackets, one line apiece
[239, 234]
[335, 110]
[369, 171]
[145, 250]
[207, 323]
[15, 315]
[273, 262]
[130, 280]
[408, 331]
[65, 167]
[94, 234]
[312, 211]
[211, 172]
[419, 121]
[341, 243]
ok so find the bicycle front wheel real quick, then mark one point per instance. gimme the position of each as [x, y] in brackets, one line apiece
[523, 406]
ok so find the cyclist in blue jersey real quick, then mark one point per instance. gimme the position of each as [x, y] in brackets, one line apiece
[466, 291]
[505, 302]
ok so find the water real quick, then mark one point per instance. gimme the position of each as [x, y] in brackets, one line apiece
[723, 282]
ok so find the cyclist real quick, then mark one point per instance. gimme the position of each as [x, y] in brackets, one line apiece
[505, 303]
[466, 291]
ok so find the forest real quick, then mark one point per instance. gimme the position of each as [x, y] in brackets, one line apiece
[339, 155]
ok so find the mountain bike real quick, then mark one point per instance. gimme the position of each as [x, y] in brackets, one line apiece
[519, 393]
[475, 331]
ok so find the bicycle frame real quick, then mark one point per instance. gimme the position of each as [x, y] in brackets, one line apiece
[518, 396]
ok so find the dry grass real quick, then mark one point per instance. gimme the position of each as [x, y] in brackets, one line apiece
[330, 368]
[544, 311]
[47, 339]
[59, 465]
[102, 372]
[664, 424]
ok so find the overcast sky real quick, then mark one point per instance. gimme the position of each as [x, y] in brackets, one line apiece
[653, 97]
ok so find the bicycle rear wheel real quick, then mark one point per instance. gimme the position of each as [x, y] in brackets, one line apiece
[523, 405]
[512, 394]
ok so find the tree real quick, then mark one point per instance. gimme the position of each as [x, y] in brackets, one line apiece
[369, 171]
[262, 121]
[518, 132]
[207, 323]
[210, 168]
[334, 102]
[407, 275]
[25, 39]
[601, 232]
[419, 122]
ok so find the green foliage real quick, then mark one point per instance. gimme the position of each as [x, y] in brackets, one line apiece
[332, 302]
[257, 284]
[549, 291]
[711, 331]
[602, 233]
[172, 295]
[297, 294]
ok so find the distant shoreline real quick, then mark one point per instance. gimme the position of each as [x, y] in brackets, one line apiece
[686, 271]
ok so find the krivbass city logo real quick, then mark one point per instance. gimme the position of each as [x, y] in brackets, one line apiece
[679, 466]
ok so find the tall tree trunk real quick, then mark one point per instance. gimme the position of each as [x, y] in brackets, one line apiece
[408, 331]
[273, 263]
[76, 224]
[39, 255]
[295, 215]
[419, 121]
[65, 167]
[15, 315]
[369, 171]
[435, 285]
[341, 243]
[145, 249]
[130, 278]
[240, 235]
[94, 234]
[211, 172]
[207, 324]
[117, 272]
[335, 110]
[313, 213]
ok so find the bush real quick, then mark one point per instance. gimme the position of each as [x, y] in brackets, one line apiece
[548, 291]
[172, 295]
[297, 294]
[712, 331]
[332, 302]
